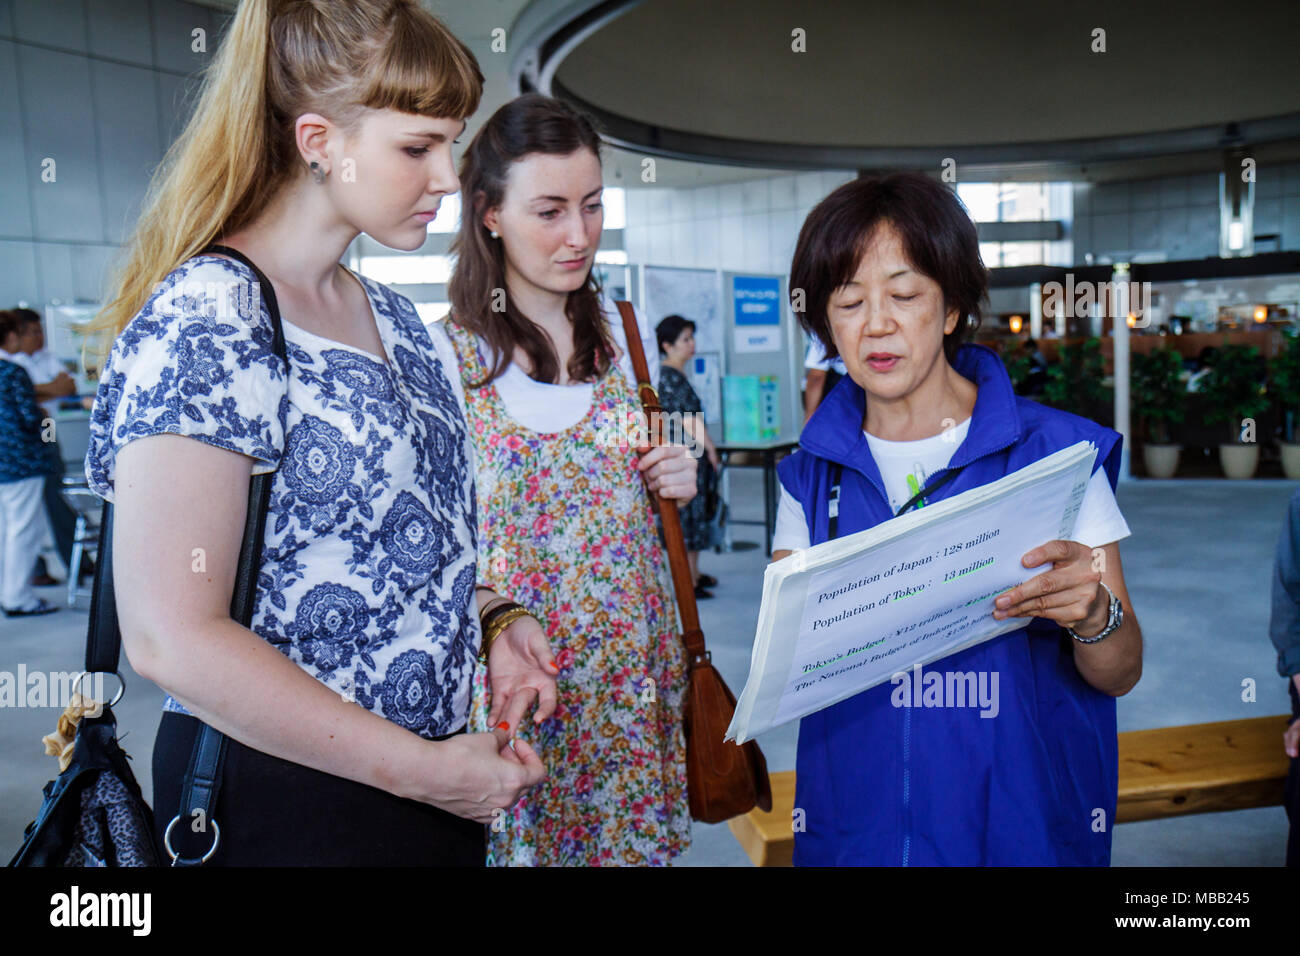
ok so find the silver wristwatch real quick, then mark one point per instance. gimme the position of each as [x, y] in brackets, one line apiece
[1113, 621]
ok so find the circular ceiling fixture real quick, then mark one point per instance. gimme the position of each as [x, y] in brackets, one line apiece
[1010, 85]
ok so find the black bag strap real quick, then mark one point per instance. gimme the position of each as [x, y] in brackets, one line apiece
[104, 638]
[837, 473]
[259, 490]
[203, 777]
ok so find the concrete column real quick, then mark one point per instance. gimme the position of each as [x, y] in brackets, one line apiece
[1119, 333]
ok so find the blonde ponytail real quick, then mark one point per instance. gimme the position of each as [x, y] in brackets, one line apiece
[280, 59]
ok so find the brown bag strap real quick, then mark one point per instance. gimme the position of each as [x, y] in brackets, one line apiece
[683, 583]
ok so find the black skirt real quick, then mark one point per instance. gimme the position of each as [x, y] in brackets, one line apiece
[272, 812]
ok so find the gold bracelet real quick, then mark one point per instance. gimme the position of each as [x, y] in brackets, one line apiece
[499, 622]
[491, 606]
[499, 606]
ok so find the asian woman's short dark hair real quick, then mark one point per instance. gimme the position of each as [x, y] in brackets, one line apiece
[670, 329]
[938, 238]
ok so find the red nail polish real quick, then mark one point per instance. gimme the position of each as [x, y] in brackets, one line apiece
[503, 726]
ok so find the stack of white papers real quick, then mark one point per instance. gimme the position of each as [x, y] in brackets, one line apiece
[845, 615]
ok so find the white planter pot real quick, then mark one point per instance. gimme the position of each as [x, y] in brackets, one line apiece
[1239, 460]
[1291, 460]
[1161, 460]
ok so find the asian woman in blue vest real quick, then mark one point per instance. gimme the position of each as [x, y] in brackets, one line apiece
[887, 274]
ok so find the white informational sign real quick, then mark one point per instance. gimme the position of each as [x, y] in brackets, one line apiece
[848, 614]
[690, 293]
[616, 281]
[706, 378]
[756, 338]
[63, 338]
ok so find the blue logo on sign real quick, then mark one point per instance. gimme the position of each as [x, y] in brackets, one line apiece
[757, 300]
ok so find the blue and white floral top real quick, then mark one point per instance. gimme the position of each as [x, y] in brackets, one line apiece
[368, 563]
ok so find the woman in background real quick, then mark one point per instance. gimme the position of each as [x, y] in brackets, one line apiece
[566, 528]
[52, 382]
[676, 337]
[24, 463]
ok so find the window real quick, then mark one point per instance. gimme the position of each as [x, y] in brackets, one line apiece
[1021, 202]
[448, 218]
[407, 269]
[430, 312]
[614, 199]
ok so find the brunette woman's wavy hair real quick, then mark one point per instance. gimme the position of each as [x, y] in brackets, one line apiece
[529, 124]
[278, 60]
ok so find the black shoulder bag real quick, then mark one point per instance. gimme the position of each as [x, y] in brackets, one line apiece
[94, 813]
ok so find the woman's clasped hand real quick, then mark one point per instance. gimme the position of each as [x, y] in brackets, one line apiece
[669, 470]
[466, 780]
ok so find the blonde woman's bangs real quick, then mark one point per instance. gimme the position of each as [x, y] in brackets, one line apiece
[426, 71]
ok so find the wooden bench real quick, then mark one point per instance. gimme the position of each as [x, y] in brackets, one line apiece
[1167, 772]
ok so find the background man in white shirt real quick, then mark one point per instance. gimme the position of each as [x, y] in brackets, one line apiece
[820, 376]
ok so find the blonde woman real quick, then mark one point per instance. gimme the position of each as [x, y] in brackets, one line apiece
[345, 702]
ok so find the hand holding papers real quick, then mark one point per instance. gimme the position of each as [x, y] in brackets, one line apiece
[846, 615]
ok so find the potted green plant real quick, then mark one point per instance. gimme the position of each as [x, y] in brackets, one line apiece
[1074, 383]
[1233, 395]
[1016, 362]
[1284, 384]
[1159, 398]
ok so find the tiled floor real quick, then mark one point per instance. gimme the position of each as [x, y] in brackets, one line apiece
[1197, 566]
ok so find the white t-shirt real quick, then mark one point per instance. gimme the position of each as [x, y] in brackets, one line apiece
[546, 407]
[815, 358]
[42, 367]
[905, 467]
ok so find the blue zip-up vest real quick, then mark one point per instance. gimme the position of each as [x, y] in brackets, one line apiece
[886, 785]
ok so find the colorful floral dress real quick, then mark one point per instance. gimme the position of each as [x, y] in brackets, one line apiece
[566, 529]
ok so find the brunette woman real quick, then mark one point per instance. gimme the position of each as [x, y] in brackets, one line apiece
[24, 464]
[676, 337]
[566, 527]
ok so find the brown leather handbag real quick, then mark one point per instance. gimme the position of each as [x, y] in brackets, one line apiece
[724, 780]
